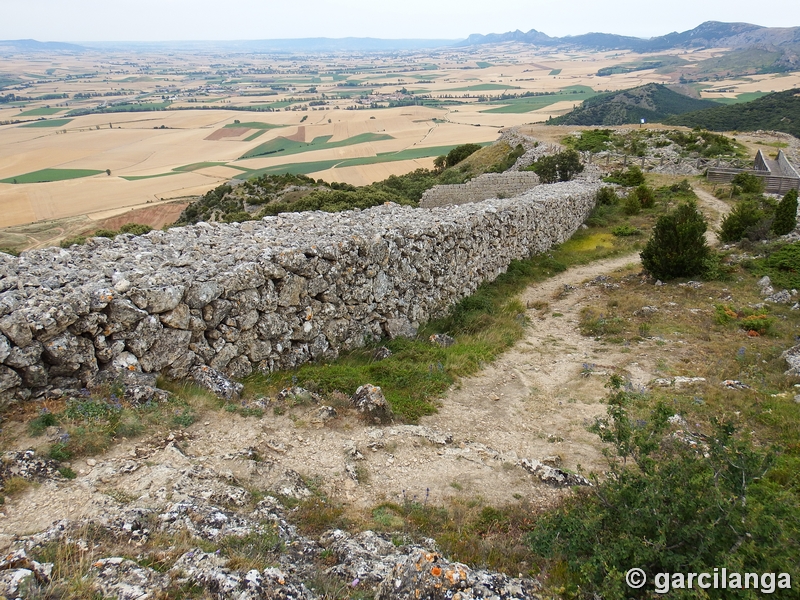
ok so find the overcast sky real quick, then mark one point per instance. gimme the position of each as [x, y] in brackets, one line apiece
[164, 20]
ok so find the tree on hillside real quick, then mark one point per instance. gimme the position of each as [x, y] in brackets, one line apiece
[678, 246]
[786, 214]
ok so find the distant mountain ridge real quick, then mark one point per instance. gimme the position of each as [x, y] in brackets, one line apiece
[710, 33]
[36, 46]
[652, 102]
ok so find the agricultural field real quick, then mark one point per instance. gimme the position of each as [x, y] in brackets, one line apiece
[100, 133]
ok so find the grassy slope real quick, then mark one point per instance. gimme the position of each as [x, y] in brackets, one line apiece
[779, 111]
[652, 102]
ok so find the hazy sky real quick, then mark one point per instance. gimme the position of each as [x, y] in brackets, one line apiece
[161, 20]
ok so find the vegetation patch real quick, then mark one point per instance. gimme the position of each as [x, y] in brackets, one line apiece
[286, 146]
[48, 123]
[47, 175]
[531, 101]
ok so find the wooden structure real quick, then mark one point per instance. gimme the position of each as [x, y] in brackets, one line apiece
[779, 175]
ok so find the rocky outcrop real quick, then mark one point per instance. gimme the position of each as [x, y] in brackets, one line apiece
[262, 295]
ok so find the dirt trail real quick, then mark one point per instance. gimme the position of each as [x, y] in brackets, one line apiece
[534, 402]
[718, 210]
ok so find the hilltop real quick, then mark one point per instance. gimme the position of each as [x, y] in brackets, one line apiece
[776, 112]
[652, 102]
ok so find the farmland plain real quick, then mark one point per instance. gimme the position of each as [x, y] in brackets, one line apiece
[93, 134]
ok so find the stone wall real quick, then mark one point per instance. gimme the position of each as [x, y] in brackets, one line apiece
[259, 295]
[483, 187]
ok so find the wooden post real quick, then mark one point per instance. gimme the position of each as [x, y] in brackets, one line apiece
[624, 160]
[643, 162]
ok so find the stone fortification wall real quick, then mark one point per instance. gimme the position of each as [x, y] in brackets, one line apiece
[260, 295]
[483, 187]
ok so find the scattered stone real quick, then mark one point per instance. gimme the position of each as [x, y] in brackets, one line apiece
[217, 383]
[371, 403]
[765, 286]
[381, 353]
[28, 466]
[553, 475]
[678, 381]
[782, 297]
[326, 413]
[792, 358]
[645, 310]
[297, 396]
[552, 461]
[659, 283]
[442, 340]
[734, 384]
[124, 579]
[291, 485]
[696, 285]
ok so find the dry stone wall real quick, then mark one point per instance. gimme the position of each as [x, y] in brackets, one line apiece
[260, 295]
[483, 187]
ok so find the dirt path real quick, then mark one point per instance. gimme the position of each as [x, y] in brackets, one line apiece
[717, 209]
[534, 402]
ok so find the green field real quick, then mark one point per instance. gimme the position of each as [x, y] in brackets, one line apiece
[253, 136]
[578, 93]
[253, 125]
[41, 112]
[48, 123]
[46, 175]
[485, 87]
[198, 166]
[286, 146]
[483, 64]
[322, 165]
[138, 177]
[745, 97]
[555, 72]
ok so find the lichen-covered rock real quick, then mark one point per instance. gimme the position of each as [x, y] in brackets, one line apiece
[124, 579]
[425, 575]
[442, 340]
[792, 358]
[217, 383]
[28, 466]
[553, 475]
[371, 403]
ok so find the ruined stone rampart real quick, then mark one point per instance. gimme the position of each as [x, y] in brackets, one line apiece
[488, 185]
[259, 295]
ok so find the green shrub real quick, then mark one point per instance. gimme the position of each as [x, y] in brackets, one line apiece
[678, 246]
[666, 507]
[630, 178]
[456, 155]
[626, 230]
[135, 228]
[557, 167]
[606, 196]
[72, 241]
[645, 196]
[786, 214]
[631, 204]
[749, 183]
[744, 217]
